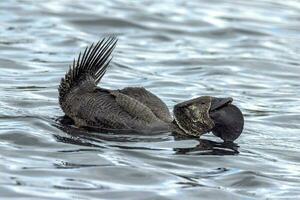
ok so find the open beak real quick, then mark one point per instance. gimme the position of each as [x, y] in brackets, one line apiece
[228, 119]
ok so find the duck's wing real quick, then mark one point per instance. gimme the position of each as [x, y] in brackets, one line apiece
[135, 108]
[150, 100]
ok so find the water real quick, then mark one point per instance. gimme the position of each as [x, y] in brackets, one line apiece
[248, 50]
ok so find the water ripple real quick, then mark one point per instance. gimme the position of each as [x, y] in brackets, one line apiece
[178, 50]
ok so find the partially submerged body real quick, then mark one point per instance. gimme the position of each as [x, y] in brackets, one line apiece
[128, 109]
[135, 108]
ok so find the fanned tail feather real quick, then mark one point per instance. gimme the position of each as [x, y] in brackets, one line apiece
[89, 68]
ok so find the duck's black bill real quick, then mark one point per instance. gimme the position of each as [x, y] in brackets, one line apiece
[228, 119]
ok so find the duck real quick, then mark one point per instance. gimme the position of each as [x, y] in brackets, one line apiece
[135, 109]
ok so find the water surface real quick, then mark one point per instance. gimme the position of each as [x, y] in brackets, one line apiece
[248, 50]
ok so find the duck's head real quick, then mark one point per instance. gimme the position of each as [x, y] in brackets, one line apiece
[204, 114]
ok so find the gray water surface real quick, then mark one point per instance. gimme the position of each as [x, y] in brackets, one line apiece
[249, 50]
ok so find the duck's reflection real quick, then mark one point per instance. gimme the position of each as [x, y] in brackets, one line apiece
[208, 147]
[89, 138]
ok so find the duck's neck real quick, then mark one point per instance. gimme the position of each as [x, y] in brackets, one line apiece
[176, 128]
[178, 133]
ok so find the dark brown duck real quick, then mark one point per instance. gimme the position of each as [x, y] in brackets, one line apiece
[135, 108]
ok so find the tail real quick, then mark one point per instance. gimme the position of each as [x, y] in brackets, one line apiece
[85, 73]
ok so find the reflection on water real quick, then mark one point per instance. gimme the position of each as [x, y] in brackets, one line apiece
[179, 50]
[91, 139]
